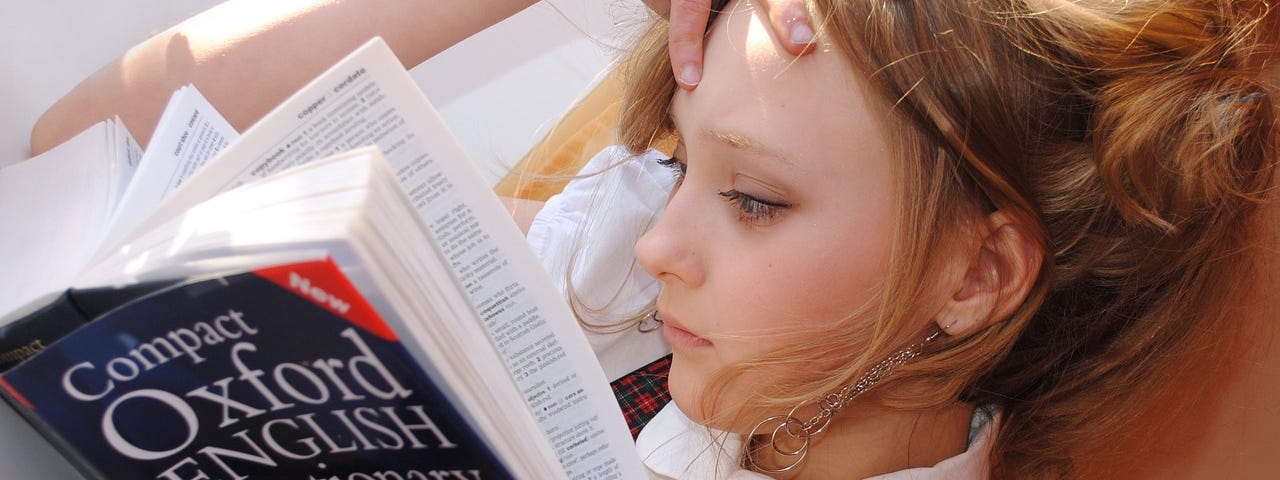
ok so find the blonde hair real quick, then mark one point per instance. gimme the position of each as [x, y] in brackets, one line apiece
[1133, 138]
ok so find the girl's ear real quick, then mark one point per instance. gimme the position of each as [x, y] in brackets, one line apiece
[997, 279]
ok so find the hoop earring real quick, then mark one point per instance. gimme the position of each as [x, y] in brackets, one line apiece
[790, 437]
[650, 322]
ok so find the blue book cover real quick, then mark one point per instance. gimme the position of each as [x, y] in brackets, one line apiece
[28, 335]
[283, 372]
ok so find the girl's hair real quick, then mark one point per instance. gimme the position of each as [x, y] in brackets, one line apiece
[1133, 138]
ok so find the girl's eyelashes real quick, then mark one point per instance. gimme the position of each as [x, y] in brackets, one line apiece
[753, 210]
[677, 166]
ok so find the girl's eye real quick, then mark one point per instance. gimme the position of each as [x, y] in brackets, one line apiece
[677, 167]
[751, 210]
[754, 210]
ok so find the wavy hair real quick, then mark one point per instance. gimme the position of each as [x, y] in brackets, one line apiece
[1135, 137]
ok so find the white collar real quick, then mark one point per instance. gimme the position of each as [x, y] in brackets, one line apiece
[674, 447]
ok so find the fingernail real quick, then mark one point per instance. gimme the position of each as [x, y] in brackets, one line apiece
[801, 33]
[690, 75]
[798, 19]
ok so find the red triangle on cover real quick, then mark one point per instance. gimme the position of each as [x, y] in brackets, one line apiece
[323, 283]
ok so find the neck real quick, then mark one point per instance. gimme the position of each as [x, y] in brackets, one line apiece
[877, 440]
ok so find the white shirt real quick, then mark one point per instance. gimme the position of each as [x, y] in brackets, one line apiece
[674, 447]
[594, 224]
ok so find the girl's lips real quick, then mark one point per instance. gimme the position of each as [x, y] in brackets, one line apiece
[679, 337]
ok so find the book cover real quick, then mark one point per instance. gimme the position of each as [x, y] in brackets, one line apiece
[21, 339]
[282, 372]
[28, 335]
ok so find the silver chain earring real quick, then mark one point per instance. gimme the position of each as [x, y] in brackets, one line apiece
[789, 436]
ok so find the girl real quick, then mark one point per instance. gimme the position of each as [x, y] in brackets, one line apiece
[958, 239]
[1032, 209]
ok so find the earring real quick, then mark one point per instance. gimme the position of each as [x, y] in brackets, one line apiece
[950, 324]
[650, 322]
[790, 436]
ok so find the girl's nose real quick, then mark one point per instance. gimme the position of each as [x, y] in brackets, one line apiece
[669, 250]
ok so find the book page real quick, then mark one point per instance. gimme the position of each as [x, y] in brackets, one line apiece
[57, 208]
[124, 162]
[189, 133]
[368, 98]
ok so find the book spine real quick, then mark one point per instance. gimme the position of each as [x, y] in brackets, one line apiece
[70, 310]
[31, 334]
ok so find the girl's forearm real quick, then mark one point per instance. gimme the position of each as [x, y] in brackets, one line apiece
[247, 55]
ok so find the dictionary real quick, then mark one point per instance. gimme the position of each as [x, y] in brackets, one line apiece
[64, 206]
[282, 372]
[357, 171]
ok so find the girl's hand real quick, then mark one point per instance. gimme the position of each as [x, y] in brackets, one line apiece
[790, 19]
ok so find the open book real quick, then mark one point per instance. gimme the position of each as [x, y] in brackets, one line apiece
[64, 206]
[452, 279]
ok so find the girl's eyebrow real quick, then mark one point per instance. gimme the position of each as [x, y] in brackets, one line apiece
[736, 140]
[741, 141]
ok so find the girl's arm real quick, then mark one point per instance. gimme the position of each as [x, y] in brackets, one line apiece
[246, 56]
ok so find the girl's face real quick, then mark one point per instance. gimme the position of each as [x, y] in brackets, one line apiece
[784, 221]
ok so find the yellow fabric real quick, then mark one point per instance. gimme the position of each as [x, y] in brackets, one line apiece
[589, 126]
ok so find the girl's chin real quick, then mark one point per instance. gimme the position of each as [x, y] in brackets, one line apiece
[688, 398]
